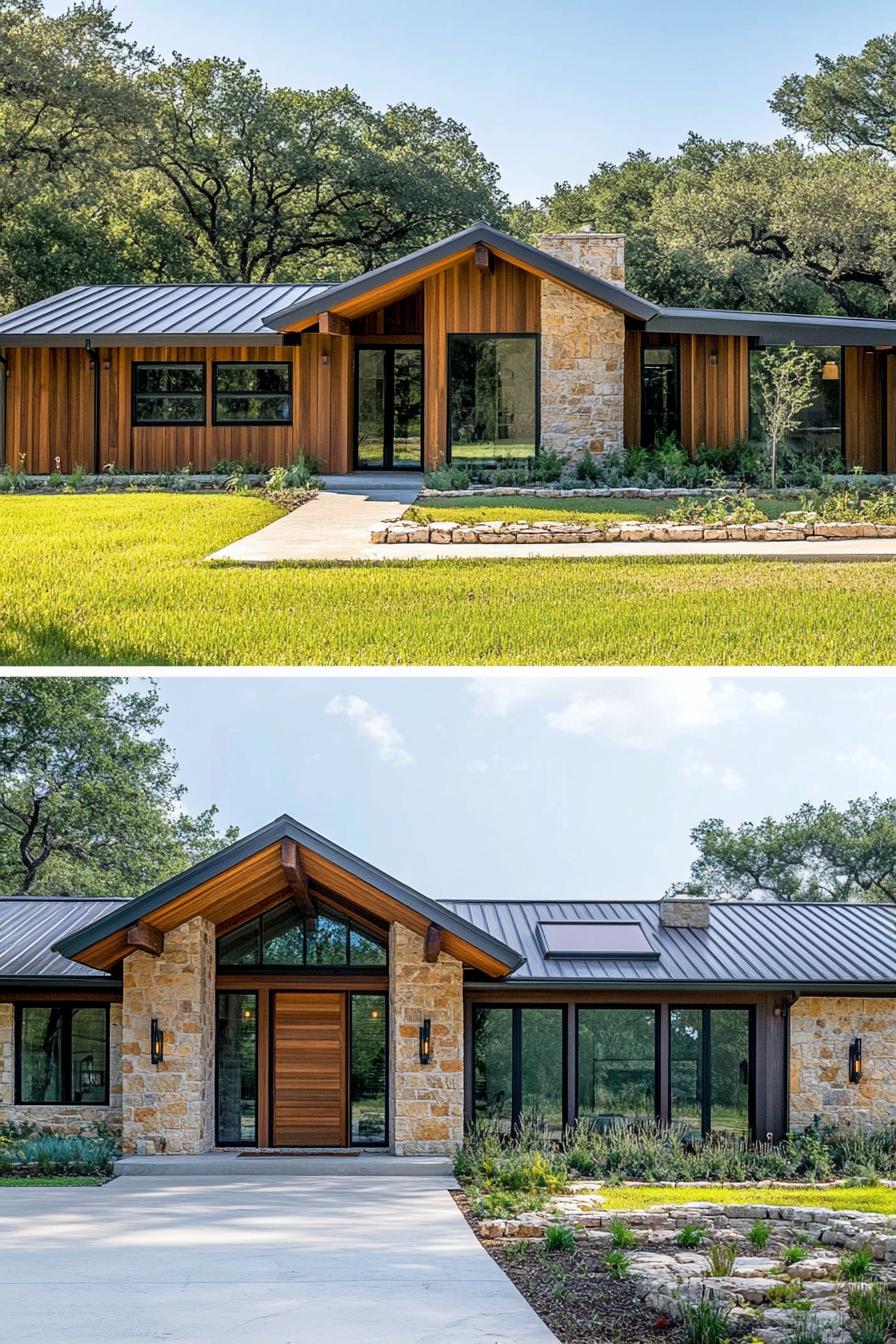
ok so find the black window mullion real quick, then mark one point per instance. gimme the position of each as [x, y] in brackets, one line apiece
[706, 1071]
[66, 1053]
[516, 1049]
[389, 408]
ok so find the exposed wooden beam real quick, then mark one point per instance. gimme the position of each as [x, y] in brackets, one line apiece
[143, 937]
[331, 324]
[482, 257]
[432, 943]
[296, 881]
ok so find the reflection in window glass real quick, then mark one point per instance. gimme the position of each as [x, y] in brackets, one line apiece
[40, 1054]
[282, 937]
[88, 1055]
[819, 428]
[493, 1066]
[541, 1066]
[659, 393]
[169, 394]
[242, 947]
[253, 394]
[617, 1065]
[730, 1071]
[62, 1054]
[325, 942]
[365, 951]
[236, 1066]
[371, 393]
[493, 397]
[686, 1064]
[368, 1068]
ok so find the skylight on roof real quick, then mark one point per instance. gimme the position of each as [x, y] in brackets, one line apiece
[594, 938]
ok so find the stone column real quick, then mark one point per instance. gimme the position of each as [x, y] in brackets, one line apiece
[170, 1107]
[426, 1100]
[582, 349]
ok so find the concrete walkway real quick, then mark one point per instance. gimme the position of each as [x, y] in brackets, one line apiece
[336, 526]
[294, 1261]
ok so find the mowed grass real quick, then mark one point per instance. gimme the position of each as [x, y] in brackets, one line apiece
[122, 580]
[527, 508]
[53, 1180]
[859, 1198]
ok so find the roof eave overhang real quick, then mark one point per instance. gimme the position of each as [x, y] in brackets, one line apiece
[439, 255]
[110, 340]
[92, 984]
[470, 943]
[883, 989]
[771, 330]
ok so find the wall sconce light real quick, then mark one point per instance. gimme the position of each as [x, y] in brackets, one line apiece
[830, 371]
[156, 1042]
[855, 1060]
[426, 1041]
[325, 357]
[713, 359]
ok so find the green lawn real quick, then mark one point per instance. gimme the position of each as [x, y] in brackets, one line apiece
[122, 580]
[53, 1180]
[860, 1198]
[528, 508]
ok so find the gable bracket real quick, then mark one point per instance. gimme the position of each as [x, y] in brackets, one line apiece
[296, 881]
[432, 943]
[143, 937]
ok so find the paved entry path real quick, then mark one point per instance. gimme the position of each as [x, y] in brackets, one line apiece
[336, 526]
[304, 1260]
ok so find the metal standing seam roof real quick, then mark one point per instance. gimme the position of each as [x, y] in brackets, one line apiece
[775, 328]
[91, 312]
[30, 925]
[772, 944]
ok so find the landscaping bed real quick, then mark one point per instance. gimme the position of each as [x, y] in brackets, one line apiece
[31, 1156]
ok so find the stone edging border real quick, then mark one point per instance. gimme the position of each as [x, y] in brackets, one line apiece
[551, 533]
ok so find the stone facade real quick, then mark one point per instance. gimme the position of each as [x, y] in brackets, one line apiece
[821, 1030]
[582, 350]
[60, 1119]
[426, 1100]
[170, 1107]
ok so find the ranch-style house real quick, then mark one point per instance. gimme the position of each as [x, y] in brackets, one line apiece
[285, 993]
[477, 348]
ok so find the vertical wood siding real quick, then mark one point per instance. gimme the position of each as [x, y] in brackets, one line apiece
[869, 427]
[714, 398]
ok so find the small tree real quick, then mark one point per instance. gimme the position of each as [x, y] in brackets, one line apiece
[785, 379]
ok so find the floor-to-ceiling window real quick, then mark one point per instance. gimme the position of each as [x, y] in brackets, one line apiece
[368, 1068]
[493, 397]
[659, 393]
[518, 1066]
[617, 1065]
[709, 1070]
[237, 1067]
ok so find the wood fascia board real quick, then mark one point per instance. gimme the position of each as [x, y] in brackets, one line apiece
[390, 291]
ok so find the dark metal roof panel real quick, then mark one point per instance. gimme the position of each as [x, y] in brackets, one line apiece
[750, 943]
[776, 328]
[95, 312]
[29, 926]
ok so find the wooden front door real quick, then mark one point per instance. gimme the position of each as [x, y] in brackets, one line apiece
[309, 1070]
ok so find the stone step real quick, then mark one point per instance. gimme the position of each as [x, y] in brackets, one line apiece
[237, 1165]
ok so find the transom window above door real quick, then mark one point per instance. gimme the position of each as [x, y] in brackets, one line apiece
[283, 937]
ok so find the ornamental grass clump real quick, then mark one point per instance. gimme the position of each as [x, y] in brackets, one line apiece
[722, 1256]
[559, 1238]
[618, 1263]
[706, 1321]
[857, 1264]
[759, 1233]
[59, 1155]
[689, 1236]
[873, 1309]
[621, 1235]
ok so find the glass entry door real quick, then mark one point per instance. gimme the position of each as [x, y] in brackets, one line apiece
[389, 407]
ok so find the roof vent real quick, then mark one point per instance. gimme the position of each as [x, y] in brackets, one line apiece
[684, 912]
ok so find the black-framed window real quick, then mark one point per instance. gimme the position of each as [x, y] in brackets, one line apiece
[236, 1067]
[820, 424]
[617, 1065]
[252, 394]
[519, 1065]
[368, 1069]
[660, 395]
[494, 398]
[169, 394]
[62, 1054]
[711, 1070]
[281, 937]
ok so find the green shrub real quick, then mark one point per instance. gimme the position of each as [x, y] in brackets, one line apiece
[789, 1295]
[793, 1255]
[244, 466]
[690, 1235]
[759, 1234]
[621, 1235]
[857, 1264]
[588, 468]
[547, 466]
[448, 478]
[302, 474]
[706, 1321]
[722, 1255]
[559, 1238]
[722, 509]
[85, 1154]
[617, 1263]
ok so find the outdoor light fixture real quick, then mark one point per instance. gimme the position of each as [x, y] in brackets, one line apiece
[89, 1078]
[156, 1042]
[830, 371]
[855, 1060]
[713, 359]
[425, 1041]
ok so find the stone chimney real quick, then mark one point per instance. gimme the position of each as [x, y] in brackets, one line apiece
[684, 912]
[600, 254]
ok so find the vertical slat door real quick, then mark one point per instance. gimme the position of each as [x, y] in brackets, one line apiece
[309, 1070]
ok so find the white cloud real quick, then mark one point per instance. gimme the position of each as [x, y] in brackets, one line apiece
[374, 724]
[864, 759]
[694, 765]
[499, 697]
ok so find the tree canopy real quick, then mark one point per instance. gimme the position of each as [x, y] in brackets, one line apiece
[90, 803]
[817, 853]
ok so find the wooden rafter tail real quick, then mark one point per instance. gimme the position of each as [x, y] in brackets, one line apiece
[432, 943]
[296, 881]
[331, 324]
[143, 937]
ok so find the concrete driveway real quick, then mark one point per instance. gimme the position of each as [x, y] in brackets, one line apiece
[287, 1261]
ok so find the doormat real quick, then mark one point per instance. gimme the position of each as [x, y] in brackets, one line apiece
[298, 1152]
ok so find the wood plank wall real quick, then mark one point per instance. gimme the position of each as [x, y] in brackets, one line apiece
[869, 396]
[714, 396]
[465, 299]
[49, 409]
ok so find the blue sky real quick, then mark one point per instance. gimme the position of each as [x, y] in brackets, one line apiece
[548, 90]
[574, 785]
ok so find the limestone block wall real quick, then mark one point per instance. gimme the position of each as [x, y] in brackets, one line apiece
[427, 1100]
[59, 1119]
[821, 1030]
[582, 350]
[170, 1107]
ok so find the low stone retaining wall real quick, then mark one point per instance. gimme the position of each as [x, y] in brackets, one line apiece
[616, 492]
[159, 483]
[559, 533]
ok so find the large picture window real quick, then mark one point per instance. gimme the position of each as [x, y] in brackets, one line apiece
[282, 937]
[709, 1062]
[518, 1066]
[62, 1054]
[493, 397]
[617, 1062]
[169, 394]
[820, 426]
[236, 1064]
[253, 394]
